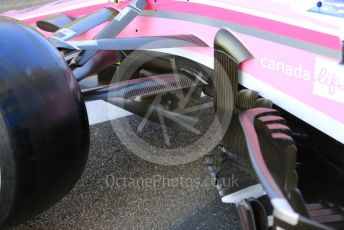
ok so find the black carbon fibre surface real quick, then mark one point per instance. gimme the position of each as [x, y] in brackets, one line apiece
[142, 87]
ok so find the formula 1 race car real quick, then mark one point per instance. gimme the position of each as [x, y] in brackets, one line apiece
[273, 71]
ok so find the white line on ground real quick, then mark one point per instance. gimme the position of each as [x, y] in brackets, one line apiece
[101, 111]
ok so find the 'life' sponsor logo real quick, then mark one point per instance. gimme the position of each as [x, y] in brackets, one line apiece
[329, 80]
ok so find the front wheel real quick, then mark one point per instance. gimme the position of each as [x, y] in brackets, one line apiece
[44, 132]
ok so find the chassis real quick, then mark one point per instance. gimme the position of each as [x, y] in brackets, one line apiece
[280, 154]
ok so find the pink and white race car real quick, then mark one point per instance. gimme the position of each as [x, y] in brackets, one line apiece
[273, 71]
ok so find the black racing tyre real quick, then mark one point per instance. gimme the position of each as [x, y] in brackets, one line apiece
[44, 131]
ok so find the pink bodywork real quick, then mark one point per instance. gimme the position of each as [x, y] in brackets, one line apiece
[295, 56]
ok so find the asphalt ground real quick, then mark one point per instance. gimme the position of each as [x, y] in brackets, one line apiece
[100, 201]
[104, 198]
